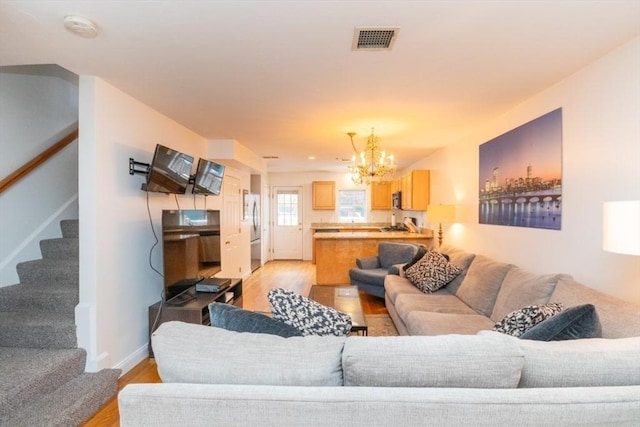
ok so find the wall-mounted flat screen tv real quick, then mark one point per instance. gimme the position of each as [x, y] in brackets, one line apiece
[170, 171]
[208, 179]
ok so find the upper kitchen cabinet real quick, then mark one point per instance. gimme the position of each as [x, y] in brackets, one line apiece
[396, 185]
[324, 195]
[415, 190]
[381, 195]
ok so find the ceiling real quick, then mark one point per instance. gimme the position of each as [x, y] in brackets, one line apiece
[280, 77]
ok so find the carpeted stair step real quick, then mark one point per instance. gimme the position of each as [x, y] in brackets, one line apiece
[44, 272]
[71, 404]
[31, 299]
[64, 248]
[70, 228]
[27, 374]
[37, 329]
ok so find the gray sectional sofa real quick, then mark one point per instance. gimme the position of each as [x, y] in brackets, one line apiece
[453, 371]
[217, 377]
[487, 290]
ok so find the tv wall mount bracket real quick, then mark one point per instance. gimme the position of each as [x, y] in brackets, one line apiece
[133, 167]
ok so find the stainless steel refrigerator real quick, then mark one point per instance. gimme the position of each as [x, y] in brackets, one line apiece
[254, 220]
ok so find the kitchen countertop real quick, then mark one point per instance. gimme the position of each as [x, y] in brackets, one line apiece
[349, 226]
[372, 235]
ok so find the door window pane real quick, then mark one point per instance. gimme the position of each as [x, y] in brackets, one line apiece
[352, 206]
[287, 208]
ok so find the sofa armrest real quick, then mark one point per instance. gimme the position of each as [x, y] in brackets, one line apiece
[368, 263]
[397, 270]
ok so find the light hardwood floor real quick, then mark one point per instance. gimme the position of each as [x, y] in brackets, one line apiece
[297, 276]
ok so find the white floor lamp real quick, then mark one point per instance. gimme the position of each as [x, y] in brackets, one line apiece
[439, 214]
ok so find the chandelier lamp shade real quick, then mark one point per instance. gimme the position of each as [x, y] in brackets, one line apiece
[372, 164]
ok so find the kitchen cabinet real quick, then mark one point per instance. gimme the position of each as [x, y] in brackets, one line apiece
[381, 195]
[324, 195]
[415, 190]
[395, 185]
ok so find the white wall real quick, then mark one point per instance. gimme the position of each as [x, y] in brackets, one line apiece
[117, 285]
[38, 106]
[304, 180]
[601, 161]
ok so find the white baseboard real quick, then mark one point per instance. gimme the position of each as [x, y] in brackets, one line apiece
[133, 359]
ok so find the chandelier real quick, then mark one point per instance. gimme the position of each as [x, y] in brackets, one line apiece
[372, 164]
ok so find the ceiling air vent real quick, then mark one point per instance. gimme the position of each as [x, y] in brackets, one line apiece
[374, 38]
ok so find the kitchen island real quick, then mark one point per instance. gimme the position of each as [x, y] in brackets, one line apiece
[336, 253]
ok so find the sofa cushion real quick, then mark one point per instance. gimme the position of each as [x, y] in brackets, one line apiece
[573, 323]
[310, 317]
[521, 288]
[443, 361]
[519, 321]
[191, 353]
[391, 253]
[592, 362]
[396, 285]
[429, 323]
[432, 272]
[619, 319]
[232, 318]
[437, 302]
[482, 284]
[460, 258]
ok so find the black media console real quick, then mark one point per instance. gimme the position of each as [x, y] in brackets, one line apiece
[195, 309]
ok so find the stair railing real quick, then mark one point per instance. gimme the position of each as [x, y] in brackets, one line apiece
[32, 164]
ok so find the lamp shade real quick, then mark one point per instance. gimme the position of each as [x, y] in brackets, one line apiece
[621, 227]
[441, 213]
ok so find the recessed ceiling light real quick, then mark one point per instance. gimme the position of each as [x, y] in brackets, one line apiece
[80, 26]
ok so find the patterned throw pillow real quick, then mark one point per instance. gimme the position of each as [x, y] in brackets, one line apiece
[432, 272]
[307, 315]
[518, 322]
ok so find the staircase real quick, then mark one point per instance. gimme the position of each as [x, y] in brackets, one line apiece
[42, 378]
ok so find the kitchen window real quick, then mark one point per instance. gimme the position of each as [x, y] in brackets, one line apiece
[352, 205]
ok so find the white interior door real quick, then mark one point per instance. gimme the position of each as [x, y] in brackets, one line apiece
[287, 223]
[230, 228]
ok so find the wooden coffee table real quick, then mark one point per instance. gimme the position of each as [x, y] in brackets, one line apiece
[344, 299]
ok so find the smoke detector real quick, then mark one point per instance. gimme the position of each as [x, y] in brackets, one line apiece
[80, 26]
[374, 38]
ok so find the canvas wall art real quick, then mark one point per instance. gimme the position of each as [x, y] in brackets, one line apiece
[520, 181]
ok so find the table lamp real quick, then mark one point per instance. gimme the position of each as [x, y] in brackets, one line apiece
[440, 214]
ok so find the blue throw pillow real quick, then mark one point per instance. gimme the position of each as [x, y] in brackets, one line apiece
[234, 318]
[573, 323]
